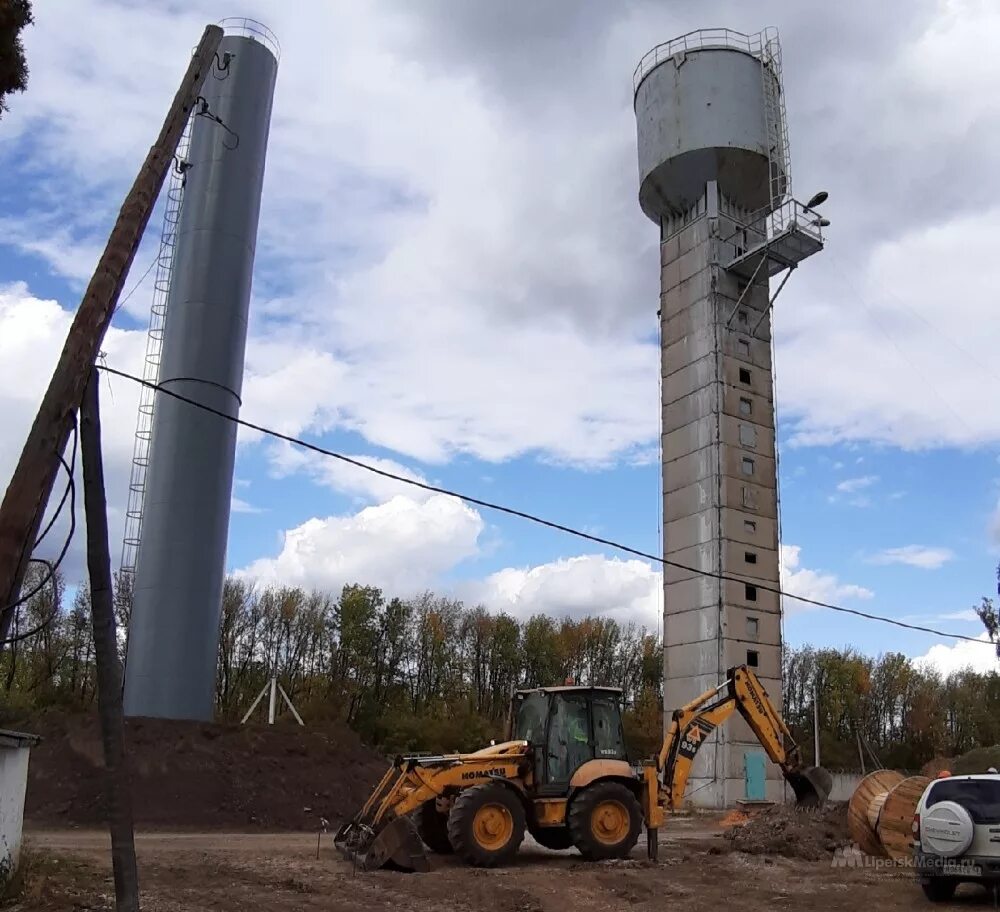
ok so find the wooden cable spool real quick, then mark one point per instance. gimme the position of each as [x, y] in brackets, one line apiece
[880, 813]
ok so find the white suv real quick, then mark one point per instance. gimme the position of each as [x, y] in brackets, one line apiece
[956, 834]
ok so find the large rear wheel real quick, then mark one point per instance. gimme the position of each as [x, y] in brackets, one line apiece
[486, 825]
[604, 821]
[433, 828]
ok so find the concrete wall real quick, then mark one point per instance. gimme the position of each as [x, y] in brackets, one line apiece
[720, 491]
[844, 785]
[13, 782]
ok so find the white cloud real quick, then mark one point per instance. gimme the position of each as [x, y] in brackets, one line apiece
[966, 615]
[286, 459]
[590, 584]
[853, 485]
[461, 274]
[813, 584]
[239, 505]
[401, 545]
[979, 656]
[32, 333]
[914, 556]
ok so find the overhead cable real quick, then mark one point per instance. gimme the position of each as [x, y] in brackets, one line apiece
[531, 517]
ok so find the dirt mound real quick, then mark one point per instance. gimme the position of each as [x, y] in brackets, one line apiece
[932, 767]
[976, 761]
[194, 774]
[807, 833]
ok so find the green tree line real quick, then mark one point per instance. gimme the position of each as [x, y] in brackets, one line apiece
[431, 673]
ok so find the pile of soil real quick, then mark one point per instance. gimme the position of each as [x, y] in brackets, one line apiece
[202, 775]
[807, 833]
[976, 761]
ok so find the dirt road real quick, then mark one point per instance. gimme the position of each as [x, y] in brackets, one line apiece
[222, 872]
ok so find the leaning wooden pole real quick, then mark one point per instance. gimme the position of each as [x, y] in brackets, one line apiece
[28, 491]
[109, 672]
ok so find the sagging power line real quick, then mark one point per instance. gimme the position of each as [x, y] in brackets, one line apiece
[531, 517]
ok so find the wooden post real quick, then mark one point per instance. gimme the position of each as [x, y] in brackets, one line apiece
[109, 673]
[28, 491]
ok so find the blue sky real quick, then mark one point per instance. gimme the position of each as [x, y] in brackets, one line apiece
[454, 279]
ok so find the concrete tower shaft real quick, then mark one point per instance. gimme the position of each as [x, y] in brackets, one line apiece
[173, 634]
[713, 171]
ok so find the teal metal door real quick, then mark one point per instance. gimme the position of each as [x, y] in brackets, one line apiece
[754, 770]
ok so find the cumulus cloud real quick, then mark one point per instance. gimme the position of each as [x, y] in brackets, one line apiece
[461, 274]
[979, 656]
[813, 584]
[853, 485]
[914, 556]
[590, 584]
[402, 546]
[286, 459]
[32, 333]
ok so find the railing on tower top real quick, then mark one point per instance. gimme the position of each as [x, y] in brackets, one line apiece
[759, 45]
[251, 28]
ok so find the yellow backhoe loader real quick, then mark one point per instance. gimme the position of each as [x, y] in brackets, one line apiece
[564, 776]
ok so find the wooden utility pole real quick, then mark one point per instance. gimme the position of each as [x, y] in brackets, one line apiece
[28, 491]
[109, 672]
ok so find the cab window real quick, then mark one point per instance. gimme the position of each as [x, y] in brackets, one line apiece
[531, 715]
[980, 797]
[609, 743]
[569, 736]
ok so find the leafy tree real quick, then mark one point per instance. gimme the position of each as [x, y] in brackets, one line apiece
[15, 15]
[989, 614]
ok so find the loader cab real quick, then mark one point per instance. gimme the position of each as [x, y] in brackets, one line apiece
[567, 727]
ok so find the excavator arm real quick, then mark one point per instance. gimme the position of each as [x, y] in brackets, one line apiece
[694, 723]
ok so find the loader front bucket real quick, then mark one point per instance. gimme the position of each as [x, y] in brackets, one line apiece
[811, 784]
[396, 845]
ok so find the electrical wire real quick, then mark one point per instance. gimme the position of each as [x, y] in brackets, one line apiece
[530, 517]
[135, 287]
[52, 566]
[65, 493]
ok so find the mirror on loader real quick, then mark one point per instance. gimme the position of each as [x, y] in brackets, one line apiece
[566, 727]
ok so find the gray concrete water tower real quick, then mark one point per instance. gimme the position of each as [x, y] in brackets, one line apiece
[714, 176]
[174, 631]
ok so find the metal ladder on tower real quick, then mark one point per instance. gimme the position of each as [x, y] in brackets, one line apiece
[776, 124]
[151, 363]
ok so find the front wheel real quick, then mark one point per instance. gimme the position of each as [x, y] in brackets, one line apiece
[486, 825]
[940, 889]
[604, 821]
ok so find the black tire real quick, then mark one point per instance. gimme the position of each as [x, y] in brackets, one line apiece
[486, 825]
[433, 828]
[604, 821]
[939, 889]
[556, 838]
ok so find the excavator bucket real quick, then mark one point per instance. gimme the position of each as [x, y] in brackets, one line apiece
[396, 845]
[811, 784]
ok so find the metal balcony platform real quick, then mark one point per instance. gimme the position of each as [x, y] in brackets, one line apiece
[785, 250]
[778, 241]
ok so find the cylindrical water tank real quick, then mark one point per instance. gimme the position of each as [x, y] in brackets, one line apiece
[174, 630]
[708, 111]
